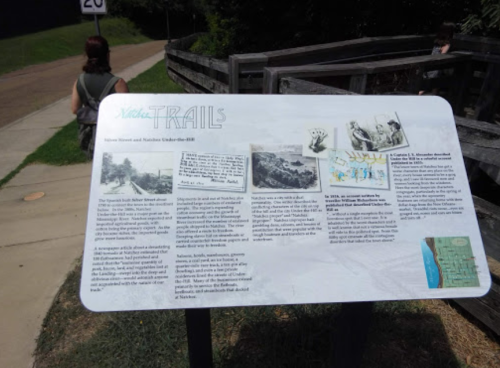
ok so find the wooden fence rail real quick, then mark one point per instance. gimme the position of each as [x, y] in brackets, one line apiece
[243, 66]
[195, 73]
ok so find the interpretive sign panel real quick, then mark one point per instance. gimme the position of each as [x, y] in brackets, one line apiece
[230, 200]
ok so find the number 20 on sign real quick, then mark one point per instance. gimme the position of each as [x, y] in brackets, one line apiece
[93, 6]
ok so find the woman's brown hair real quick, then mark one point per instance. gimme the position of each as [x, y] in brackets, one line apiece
[97, 50]
[444, 34]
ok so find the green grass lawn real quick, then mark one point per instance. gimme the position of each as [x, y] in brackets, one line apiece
[63, 148]
[57, 43]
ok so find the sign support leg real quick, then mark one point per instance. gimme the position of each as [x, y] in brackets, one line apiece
[97, 27]
[199, 336]
[350, 336]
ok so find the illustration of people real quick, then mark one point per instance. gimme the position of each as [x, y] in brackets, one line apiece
[381, 176]
[365, 173]
[340, 175]
[361, 140]
[396, 135]
[372, 175]
[382, 139]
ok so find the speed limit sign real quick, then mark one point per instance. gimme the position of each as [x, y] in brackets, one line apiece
[93, 6]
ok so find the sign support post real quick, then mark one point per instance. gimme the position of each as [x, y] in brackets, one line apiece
[94, 7]
[199, 336]
[97, 27]
[350, 335]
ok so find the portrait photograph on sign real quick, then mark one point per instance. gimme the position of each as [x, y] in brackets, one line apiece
[137, 173]
[380, 132]
[282, 168]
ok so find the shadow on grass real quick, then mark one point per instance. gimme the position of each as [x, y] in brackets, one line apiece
[401, 335]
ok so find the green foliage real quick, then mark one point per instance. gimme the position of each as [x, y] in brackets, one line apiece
[57, 43]
[220, 40]
[150, 15]
[154, 80]
[486, 21]
[262, 25]
[62, 149]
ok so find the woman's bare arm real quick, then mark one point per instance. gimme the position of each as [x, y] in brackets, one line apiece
[121, 86]
[76, 103]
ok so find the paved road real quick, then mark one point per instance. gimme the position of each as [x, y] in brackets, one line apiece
[27, 90]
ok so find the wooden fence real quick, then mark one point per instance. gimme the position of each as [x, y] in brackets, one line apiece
[361, 66]
[195, 73]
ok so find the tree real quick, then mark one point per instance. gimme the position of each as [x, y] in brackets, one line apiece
[261, 25]
[127, 168]
[107, 167]
[486, 21]
[150, 16]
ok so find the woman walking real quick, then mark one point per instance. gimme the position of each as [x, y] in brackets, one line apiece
[95, 83]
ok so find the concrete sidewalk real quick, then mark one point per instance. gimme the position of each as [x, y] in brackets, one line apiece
[42, 238]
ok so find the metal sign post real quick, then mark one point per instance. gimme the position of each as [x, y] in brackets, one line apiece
[94, 7]
[199, 336]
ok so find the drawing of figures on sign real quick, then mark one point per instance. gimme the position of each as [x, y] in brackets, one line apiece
[318, 138]
[282, 168]
[381, 132]
[358, 169]
[137, 173]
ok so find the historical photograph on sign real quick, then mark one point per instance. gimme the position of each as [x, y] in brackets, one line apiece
[282, 168]
[381, 132]
[449, 262]
[209, 171]
[137, 173]
[318, 139]
[358, 169]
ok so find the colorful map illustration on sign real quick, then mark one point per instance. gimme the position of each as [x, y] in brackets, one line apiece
[449, 262]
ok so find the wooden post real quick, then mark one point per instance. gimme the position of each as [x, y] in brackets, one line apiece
[460, 87]
[416, 80]
[357, 84]
[490, 94]
[270, 82]
[350, 336]
[246, 63]
[199, 336]
[233, 74]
